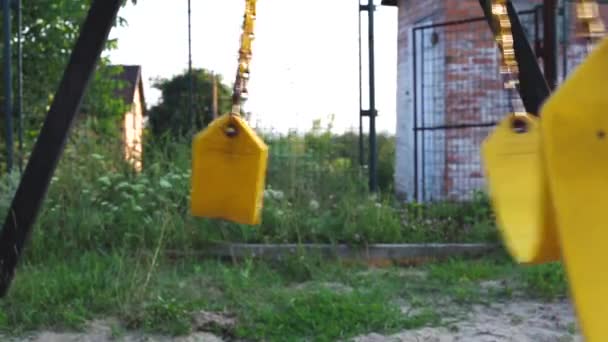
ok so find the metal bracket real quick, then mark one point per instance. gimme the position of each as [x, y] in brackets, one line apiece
[366, 7]
[367, 112]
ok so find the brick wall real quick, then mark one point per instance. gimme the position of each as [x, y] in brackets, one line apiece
[474, 93]
[462, 87]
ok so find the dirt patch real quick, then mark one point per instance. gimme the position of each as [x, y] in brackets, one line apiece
[211, 321]
[103, 337]
[505, 322]
[104, 330]
[95, 337]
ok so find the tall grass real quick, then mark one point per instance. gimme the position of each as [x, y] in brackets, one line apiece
[97, 248]
[316, 192]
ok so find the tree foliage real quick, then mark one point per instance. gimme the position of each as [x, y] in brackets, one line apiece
[49, 31]
[171, 115]
[102, 109]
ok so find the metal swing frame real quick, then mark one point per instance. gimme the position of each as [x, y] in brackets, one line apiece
[85, 55]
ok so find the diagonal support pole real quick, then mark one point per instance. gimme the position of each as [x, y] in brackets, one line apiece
[533, 88]
[51, 141]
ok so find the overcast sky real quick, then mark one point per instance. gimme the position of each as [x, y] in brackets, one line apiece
[305, 56]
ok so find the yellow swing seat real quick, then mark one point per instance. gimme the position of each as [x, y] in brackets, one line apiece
[575, 138]
[518, 190]
[228, 171]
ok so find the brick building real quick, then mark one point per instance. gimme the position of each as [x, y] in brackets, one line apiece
[450, 93]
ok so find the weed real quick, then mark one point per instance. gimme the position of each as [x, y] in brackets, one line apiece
[325, 315]
[167, 316]
[548, 281]
[456, 271]
[65, 293]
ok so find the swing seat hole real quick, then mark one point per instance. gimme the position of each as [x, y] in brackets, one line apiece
[231, 131]
[601, 134]
[519, 126]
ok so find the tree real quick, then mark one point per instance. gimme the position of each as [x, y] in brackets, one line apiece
[50, 29]
[172, 115]
[102, 104]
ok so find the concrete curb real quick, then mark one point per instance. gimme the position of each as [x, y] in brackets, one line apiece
[376, 253]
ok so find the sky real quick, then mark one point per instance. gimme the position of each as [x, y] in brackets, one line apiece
[305, 63]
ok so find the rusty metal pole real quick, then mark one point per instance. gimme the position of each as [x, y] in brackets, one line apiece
[373, 150]
[214, 99]
[550, 42]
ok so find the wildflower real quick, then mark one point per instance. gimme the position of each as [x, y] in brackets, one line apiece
[105, 180]
[122, 185]
[313, 205]
[279, 195]
[164, 184]
[274, 194]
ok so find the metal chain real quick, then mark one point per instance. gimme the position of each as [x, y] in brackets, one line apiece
[592, 28]
[508, 67]
[240, 92]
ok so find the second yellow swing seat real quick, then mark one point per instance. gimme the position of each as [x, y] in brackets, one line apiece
[228, 171]
[518, 189]
[575, 139]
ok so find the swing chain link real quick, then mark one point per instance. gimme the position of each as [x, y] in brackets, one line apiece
[509, 67]
[240, 91]
[592, 26]
[592, 29]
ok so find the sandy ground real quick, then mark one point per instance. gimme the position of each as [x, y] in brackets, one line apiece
[520, 321]
[101, 331]
[512, 322]
[94, 337]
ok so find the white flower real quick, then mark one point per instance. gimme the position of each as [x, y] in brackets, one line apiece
[105, 180]
[313, 205]
[164, 184]
[274, 194]
[279, 195]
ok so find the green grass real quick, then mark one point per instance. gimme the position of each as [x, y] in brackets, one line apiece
[314, 195]
[98, 250]
[548, 281]
[304, 298]
[65, 294]
[267, 298]
[325, 315]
